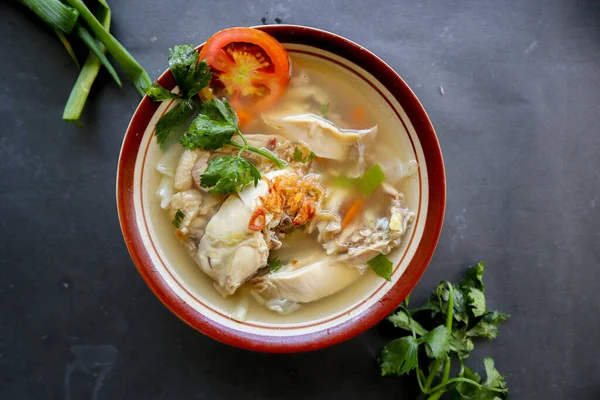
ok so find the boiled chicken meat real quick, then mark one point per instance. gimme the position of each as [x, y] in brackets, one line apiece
[281, 291]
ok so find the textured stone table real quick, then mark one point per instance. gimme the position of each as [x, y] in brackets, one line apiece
[518, 120]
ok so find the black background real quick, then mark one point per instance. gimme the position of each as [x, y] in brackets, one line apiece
[518, 126]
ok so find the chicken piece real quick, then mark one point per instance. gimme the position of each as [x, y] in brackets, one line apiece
[229, 252]
[188, 202]
[198, 169]
[324, 138]
[281, 291]
[368, 236]
[183, 173]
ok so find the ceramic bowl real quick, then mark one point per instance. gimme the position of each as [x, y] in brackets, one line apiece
[180, 284]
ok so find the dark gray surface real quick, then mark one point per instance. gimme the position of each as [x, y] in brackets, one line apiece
[518, 124]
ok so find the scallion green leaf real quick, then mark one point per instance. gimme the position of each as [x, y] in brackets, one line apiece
[371, 179]
[95, 48]
[57, 15]
[132, 68]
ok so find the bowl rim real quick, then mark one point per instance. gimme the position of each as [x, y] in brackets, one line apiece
[434, 163]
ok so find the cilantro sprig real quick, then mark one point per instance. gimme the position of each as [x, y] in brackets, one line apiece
[458, 314]
[300, 157]
[213, 127]
[191, 76]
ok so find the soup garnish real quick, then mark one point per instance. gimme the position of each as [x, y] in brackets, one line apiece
[298, 206]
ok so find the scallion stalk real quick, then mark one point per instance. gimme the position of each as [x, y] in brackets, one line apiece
[95, 48]
[131, 67]
[89, 71]
[57, 15]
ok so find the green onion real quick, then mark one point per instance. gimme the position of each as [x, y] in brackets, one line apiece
[132, 68]
[68, 47]
[57, 15]
[95, 48]
[88, 74]
[382, 266]
[366, 183]
[371, 179]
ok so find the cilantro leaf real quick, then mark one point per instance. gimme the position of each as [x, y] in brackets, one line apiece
[198, 78]
[274, 264]
[190, 75]
[487, 327]
[494, 379]
[179, 215]
[459, 310]
[437, 342]
[461, 344]
[465, 390]
[227, 174]
[158, 93]
[224, 109]
[381, 266]
[324, 110]
[182, 59]
[298, 156]
[474, 277]
[494, 387]
[401, 320]
[213, 128]
[172, 119]
[476, 301]
[400, 356]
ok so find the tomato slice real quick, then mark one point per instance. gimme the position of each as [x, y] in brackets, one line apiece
[250, 68]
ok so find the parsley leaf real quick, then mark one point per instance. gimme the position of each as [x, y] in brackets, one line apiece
[179, 215]
[228, 174]
[274, 264]
[172, 119]
[324, 110]
[381, 266]
[400, 356]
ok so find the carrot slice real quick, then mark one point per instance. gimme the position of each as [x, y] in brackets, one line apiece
[353, 212]
[358, 115]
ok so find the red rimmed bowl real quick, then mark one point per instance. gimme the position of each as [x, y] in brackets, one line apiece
[180, 284]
